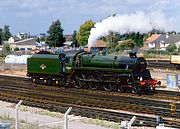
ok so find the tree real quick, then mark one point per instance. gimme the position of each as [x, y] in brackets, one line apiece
[156, 31]
[6, 48]
[1, 36]
[55, 37]
[38, 40]
[84, 32]
[112, 40]
[43, 38]
[6, 33]
[136, 37]
[171, 48]
[74, 39]
[125, 45]
[179, 48]
[16, 49]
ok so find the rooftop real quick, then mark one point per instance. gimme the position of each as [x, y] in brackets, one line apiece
[29, 41]
[98, 44]
[152, 38]
[172, 39]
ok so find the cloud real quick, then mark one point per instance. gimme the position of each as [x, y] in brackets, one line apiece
[134, 1]
[24, 14]
[7, 4]
[32, 4]
[75, 12]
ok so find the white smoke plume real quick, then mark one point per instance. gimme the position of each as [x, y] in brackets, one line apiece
[137, 22]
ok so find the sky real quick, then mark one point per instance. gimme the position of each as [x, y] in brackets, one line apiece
[35, 16]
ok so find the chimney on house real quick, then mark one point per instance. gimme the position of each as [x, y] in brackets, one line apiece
[149, 34]
[167, 35]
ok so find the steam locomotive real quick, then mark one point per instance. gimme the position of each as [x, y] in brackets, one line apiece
[94, 71]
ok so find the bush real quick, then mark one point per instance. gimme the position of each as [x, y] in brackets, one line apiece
[156, 54]
[162, 52]
[171, 48]
[125, 45]
[16, 49]
[175, 53]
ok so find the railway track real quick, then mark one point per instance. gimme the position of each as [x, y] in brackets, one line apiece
[112, 115]
[49, 97]
[105, 101]
[160, 64]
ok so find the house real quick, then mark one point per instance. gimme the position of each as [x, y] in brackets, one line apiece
[173, 39]
[25, 42]
[68, 37]
[24, 45]
[42, 46]
[41, 35]
[98, 45]
[23, 35]
[13, 39]
[155, 42]
[68, 43]
[18, 37]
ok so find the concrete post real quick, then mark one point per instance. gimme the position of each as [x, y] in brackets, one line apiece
[131, 121]
[16, 114]
[66, 119]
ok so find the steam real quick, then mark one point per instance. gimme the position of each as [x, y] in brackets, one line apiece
[137, 22]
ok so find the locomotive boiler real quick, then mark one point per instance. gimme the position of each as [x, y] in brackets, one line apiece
[94, 71]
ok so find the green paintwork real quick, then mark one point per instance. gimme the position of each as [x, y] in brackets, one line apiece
[88, 60]
[50, 63]
[68, 63]
[44, 64]
[107, 61]
[102, 69]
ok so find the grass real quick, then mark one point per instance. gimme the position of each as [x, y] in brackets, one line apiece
[29, 126]
[6, 116]
[42, 112]
[48, 113]
[2, 59]
[23, 108]
[158, 56]
[24, 125]
[57, 128]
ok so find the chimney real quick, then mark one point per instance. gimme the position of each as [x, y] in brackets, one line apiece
[167, 35]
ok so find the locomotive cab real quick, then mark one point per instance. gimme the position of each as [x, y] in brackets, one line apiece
[68, 63]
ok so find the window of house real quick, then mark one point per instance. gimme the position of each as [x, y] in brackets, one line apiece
[29, 48]
[22, 49]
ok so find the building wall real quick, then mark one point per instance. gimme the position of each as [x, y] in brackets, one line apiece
[163, 46]
[177, 44]
[1, 47]
[23, 47]
[151, 45]
[11, 40]
[95, 49]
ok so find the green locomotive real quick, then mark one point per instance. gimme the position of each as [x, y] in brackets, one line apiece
[95, 71]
